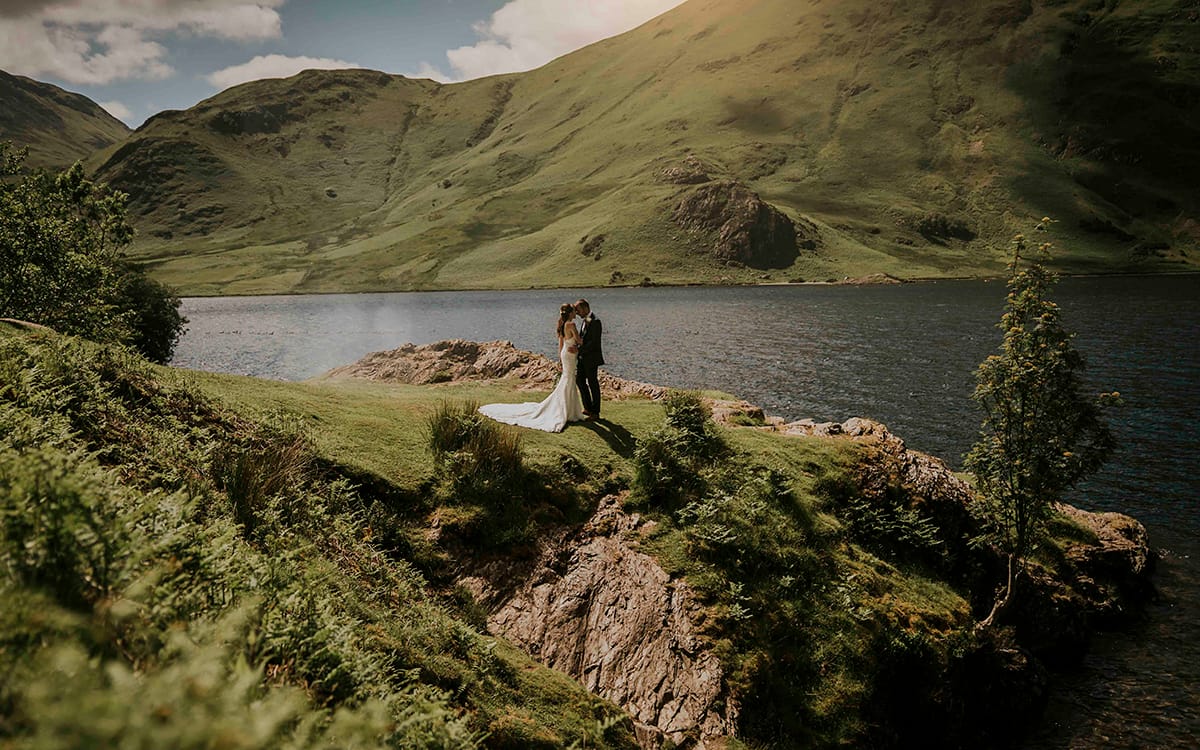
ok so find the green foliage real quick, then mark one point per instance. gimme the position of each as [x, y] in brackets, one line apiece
[878, 514]
[56, 532]
[474, 449]
[204, 695]
[938, 226]
[61, 262]
[277, 459]
[669, 463]
[1041, 433]
[479, 465]
[154, 314]
[892, 527]
[751, 548]
[176, 576]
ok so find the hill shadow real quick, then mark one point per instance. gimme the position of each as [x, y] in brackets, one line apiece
[1119, 101]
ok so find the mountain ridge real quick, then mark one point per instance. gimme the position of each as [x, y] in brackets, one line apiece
[909, 139]
[59, 127]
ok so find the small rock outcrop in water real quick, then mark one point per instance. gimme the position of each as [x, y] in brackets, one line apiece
[595, 607]
[742, 226]
[458, 360]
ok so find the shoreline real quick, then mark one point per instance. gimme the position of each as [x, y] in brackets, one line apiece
[849, 282]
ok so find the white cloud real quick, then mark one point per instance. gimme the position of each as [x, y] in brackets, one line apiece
[427, 70]
[118, 110]
[101, 41]
[526, 34]
[272, 66]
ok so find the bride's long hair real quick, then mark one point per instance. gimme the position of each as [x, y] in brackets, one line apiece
[565, 313]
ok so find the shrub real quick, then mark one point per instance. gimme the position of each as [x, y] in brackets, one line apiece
[61, 265]
[154, 314]
[670, 462]
[691, 419]
[934, 225]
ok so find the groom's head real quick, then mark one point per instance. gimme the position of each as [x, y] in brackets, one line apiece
[582, 308]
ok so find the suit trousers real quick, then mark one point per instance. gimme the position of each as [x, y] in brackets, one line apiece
[587, 377]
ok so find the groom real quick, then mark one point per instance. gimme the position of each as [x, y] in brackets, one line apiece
[591, 356]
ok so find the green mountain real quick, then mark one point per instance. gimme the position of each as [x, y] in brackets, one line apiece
[57, 126]
[725, 141]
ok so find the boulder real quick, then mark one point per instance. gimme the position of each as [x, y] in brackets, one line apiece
[741, 227]
[691, 171]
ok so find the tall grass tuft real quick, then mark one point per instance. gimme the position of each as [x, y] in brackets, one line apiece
[276, 459]
[480, 466]
[472, 446]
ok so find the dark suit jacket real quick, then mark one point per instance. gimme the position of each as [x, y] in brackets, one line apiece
[591, 354]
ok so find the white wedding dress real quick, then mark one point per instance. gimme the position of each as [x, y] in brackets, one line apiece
[562, 406]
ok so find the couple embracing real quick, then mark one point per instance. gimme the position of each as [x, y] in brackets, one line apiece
[576, 397]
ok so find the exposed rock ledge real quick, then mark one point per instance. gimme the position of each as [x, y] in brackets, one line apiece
[595, 607]
[457, 360]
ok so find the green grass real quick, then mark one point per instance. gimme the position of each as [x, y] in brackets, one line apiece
[298, 543]
[381, 428]
[854, 116]
[176, 573]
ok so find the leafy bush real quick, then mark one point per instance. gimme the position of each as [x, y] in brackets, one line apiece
[154, 314]
[938, 226]
[61, 264]
[670, 462]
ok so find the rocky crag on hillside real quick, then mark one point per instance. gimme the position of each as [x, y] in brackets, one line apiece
[594, 603]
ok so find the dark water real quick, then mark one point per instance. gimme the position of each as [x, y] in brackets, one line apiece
[904, 355]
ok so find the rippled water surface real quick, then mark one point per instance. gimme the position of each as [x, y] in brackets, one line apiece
[904, 355]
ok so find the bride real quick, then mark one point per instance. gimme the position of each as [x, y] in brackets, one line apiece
[564, 404]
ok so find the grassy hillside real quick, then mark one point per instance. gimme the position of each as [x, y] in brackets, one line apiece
[58, 127]
[192, 560]
[174, 574]
[915, 137]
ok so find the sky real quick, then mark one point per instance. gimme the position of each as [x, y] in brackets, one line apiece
[139, 57]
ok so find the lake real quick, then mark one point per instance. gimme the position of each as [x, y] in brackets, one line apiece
[904, 355]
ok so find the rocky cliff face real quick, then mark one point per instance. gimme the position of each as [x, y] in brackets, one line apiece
[597, 608]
